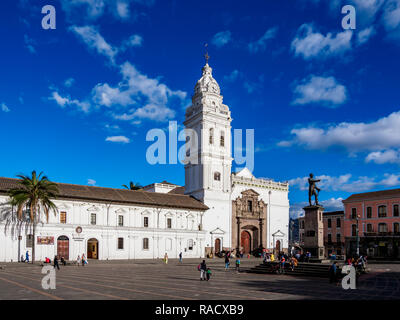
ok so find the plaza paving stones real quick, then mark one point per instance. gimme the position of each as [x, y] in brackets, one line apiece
[153, 280]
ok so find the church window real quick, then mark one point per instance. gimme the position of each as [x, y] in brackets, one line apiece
[217, 176]
[222, 139]
[63, 217]
[145, 243]
[93, 218]
[250, 206]
[146, 222]
[120, 243]
[120, 221]
[169, 223]
[190, 244]
[211, 135]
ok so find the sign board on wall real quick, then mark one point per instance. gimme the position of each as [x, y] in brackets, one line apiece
[45, 240]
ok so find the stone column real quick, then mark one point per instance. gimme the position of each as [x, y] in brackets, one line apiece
[314, 231]
[261, 233]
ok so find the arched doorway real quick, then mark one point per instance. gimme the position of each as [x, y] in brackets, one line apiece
[245, 241]
[217, 246]
[93, 249]
[63, 247]
[278, 246]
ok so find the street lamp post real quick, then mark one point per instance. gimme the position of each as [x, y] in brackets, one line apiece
[357, 237]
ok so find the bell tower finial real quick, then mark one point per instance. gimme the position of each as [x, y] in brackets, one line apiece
[206, 56]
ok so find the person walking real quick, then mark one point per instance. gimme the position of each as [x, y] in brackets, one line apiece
[333, 270]
[226, 262]
[208, 273]
[203, 270]
[180, 257]
[282, 264]
[56, 263]
[166, 258]
[237, 264]
[27, 256]
[83, 260]
[78, 260]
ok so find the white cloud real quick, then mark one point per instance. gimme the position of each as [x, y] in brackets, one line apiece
[325, 91]
[347, 183]
[364, 35]
[132, 90]
[379, 135]
[29, 44]
[261, 44]
[69, 82]
[391, 19]
[233, 76]
[67, 101]
[119, 139]
[386, 156]
[222, 38]
[91, 182]
[332, 204]
[5, 108]
[133, 41]
[311, 44]
[95, 9]
[92, 38]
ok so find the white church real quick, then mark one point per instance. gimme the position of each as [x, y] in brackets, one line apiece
[216, 209]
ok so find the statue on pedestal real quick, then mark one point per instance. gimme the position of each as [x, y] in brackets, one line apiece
[313, 190]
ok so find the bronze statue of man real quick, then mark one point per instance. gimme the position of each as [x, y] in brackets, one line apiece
[312, 189]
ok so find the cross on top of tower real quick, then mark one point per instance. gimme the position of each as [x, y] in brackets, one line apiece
[206, 56]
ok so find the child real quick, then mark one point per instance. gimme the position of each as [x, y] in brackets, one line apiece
[208, 274]
[237, 264]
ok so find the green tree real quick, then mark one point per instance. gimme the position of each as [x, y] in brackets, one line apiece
[133, 186]
[32, 197]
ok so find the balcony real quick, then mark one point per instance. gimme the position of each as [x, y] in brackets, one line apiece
[381, 234]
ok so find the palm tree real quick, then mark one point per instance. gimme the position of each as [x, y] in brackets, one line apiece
[34, 193]
[133, 186]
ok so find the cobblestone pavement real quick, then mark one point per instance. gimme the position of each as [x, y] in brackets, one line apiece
[155, 280]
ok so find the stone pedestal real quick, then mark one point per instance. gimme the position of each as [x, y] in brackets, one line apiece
[314, 231]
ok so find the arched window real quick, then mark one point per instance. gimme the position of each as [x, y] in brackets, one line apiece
[353, 230]
[222, 139]
[338, 238]
[217, 176]
[382, 211]
[211, 135]
[145, 243]
[369, 227]
[396, 227]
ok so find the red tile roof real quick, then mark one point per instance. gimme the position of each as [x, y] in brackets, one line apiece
[383, 194]
[118, 196]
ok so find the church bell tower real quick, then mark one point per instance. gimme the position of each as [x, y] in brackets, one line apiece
[209, 180]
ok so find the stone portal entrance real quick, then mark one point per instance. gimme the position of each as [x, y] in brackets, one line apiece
[93, 249]
[245, 241]
[249, 214]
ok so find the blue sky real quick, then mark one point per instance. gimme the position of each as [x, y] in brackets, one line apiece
[77, 102]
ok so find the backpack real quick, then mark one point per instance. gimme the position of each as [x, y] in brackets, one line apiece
[199, 267]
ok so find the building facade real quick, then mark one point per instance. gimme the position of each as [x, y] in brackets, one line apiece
[374, 216]
[106, 224]
[215, 210]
